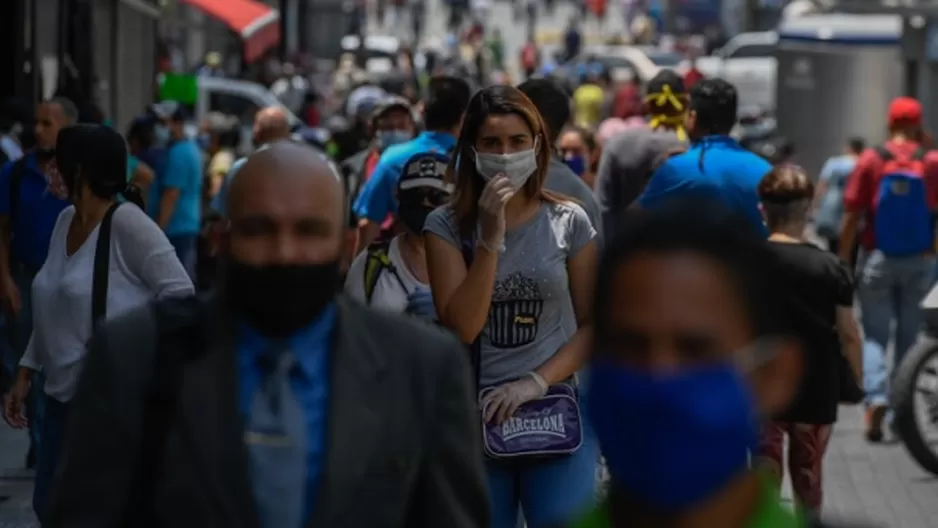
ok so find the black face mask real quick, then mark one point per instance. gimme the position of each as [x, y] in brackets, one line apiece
[279, 300]
[413, 217]
[45, 155]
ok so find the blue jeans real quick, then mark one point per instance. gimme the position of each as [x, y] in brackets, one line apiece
[14, 336]
[53, 433]
[186, 249]
[890, 289]
[552, 492]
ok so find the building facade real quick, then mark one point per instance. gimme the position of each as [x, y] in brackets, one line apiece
[100, 53]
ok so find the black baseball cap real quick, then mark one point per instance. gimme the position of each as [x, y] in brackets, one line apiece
[425, 172]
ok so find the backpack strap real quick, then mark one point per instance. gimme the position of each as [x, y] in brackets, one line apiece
[379, 261]
[102, 260]
[884, 153]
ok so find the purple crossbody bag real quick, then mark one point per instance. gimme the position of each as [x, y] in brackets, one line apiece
[547, 427]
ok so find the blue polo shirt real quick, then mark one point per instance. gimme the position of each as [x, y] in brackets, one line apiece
[377, 198]
[311, 347]
[182, 170]
[36, 213]
[715, 167]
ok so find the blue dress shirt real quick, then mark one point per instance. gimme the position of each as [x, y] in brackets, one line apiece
[311, 347]
[37, 210]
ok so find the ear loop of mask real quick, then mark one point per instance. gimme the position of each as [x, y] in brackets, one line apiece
[756, 355]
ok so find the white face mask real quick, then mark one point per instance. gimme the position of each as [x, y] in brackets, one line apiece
[517, 166]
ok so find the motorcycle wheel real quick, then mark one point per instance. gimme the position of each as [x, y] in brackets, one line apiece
[905, 387]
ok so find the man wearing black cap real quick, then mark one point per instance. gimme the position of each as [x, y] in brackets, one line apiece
[176, 195]
[629, 158]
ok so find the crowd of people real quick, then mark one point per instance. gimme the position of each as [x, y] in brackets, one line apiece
[457, 324]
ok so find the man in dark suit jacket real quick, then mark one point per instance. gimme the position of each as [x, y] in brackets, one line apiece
[390, 429]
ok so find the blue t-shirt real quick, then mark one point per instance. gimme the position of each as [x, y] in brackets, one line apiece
[714, 167]
[377, 198]
[36, 213]
[182, 170]
[830, 212]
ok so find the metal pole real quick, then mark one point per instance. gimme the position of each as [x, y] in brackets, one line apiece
[750, 11]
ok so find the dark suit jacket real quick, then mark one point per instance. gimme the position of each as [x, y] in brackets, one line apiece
[403, 446]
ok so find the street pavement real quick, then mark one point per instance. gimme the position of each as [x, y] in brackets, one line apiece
[16, 484]
[877, 485]
[549, 28]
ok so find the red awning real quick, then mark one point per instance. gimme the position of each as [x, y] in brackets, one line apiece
[257, 24]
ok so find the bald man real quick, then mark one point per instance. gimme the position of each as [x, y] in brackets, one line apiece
[271, 124]
[293, 407]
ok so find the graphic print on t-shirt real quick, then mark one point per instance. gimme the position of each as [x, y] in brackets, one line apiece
[516, 307]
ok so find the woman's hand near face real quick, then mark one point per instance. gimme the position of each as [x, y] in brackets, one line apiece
[495, 195]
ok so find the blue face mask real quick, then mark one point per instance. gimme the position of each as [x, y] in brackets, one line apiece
[577, 164]
[672, 440]
[386, 138]
[204, 141]
[161, 135]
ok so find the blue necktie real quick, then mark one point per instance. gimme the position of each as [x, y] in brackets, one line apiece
[276, 440]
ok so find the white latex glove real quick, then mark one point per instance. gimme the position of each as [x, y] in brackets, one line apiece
[502, 402]
[495, 196]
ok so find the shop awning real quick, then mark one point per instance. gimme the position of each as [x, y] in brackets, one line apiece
[257, 24]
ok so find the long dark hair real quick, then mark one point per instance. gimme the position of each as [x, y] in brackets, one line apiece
[96, 155]
[495, 100]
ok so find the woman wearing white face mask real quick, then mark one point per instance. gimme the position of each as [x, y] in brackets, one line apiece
[511, 268]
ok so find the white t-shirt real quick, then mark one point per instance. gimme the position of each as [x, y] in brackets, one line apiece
[388, 293]
[142, 266]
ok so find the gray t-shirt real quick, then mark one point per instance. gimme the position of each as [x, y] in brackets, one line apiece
[563, 180]
[627, 163]
[531, 316]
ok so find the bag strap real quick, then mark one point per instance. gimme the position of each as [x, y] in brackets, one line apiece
[378, 261]
[16, 180]
[467, 248]
[102, 261]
